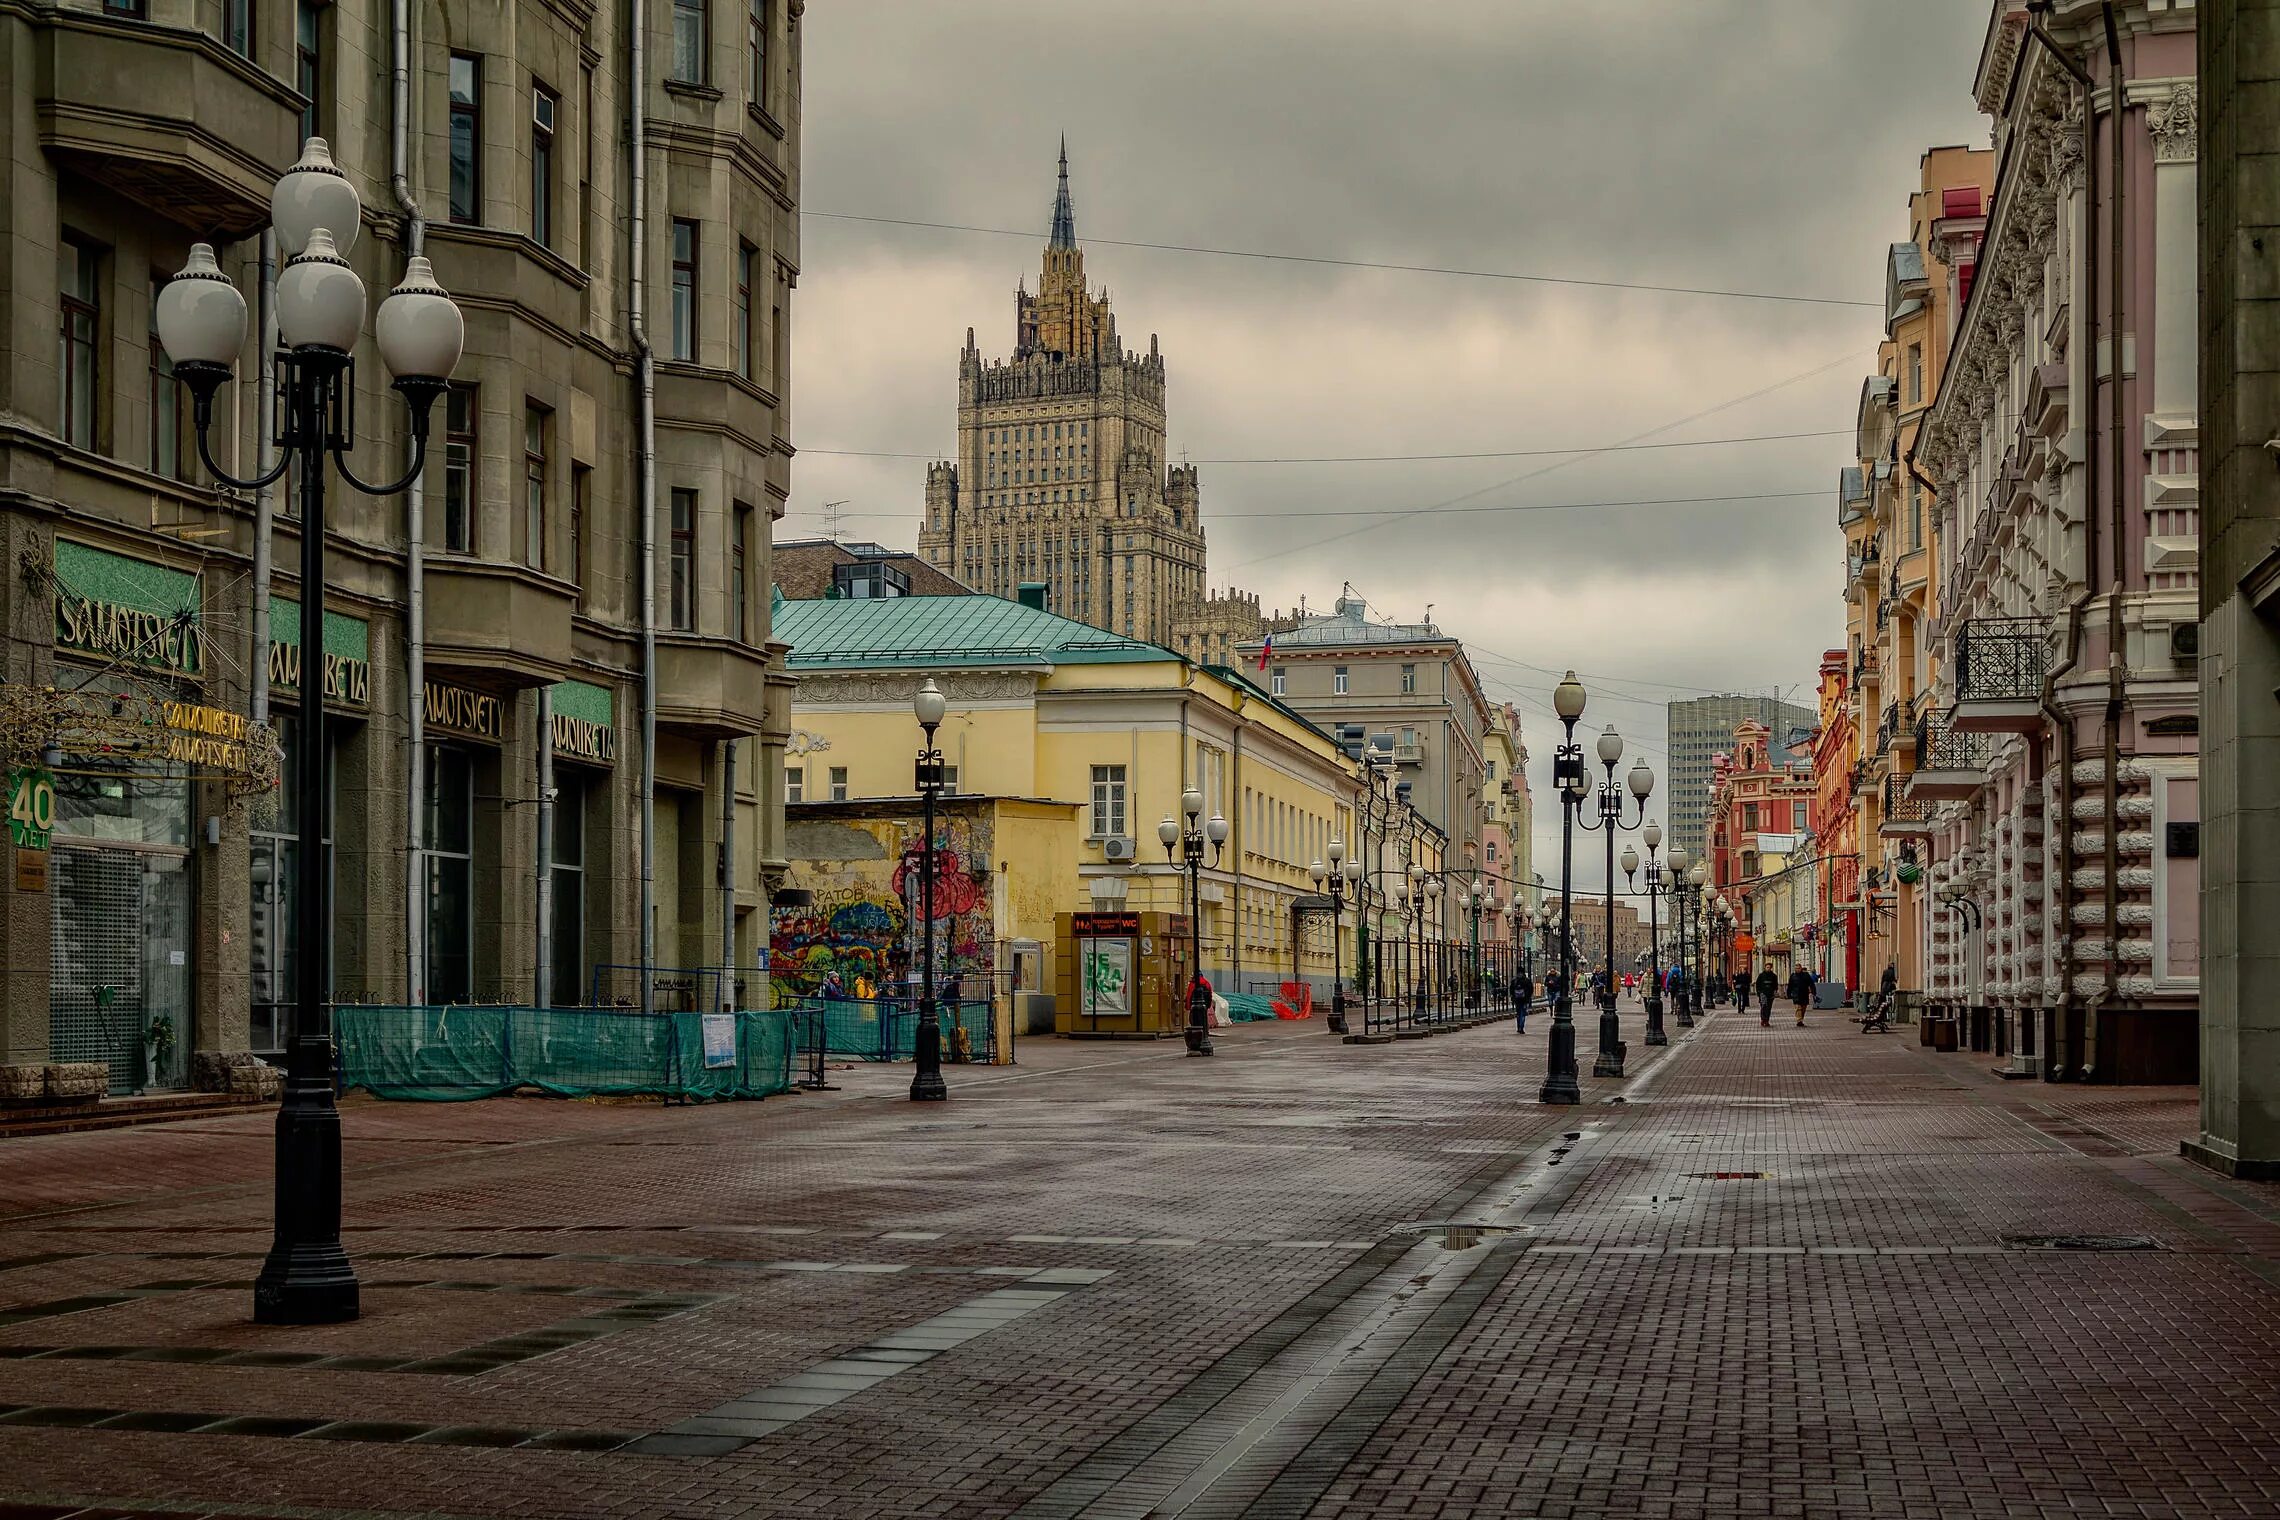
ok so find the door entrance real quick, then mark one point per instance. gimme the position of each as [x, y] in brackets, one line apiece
[119, 988]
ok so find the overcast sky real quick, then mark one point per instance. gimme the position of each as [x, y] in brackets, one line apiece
[1742, 145]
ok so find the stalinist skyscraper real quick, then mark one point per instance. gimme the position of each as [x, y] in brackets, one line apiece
[1062, 477]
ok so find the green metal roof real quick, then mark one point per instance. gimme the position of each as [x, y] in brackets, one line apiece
[946, 632]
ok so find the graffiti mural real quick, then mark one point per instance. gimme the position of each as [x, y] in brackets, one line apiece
[867, 885]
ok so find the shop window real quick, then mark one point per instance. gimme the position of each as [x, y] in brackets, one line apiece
[450, 804]
[461, 409]
[567, 970]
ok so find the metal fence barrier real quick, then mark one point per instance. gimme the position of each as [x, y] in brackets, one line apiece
[444, 1054]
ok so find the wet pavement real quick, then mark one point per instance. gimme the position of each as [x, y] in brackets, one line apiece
[1769, 1273]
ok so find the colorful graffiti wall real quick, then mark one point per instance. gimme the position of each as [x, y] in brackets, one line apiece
[866, 879]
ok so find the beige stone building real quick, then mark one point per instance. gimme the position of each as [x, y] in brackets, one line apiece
[1207, 629]
[1063, 477]
[485, 652]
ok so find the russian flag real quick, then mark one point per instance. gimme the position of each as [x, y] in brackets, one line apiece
[1266, 647]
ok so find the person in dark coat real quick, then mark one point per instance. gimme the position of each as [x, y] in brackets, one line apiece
[1767, 985]
[1801, 992]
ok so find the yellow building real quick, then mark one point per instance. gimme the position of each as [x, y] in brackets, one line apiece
[1110, 730]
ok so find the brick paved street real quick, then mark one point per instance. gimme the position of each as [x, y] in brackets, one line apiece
[1772, 1273]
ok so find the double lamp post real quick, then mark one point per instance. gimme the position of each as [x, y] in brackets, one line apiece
[1184, 847]
[1336, 877]
[307, 1278]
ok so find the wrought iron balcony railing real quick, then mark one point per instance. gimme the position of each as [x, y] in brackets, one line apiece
[2000, 660]
[1902, 810]
[1940, 747]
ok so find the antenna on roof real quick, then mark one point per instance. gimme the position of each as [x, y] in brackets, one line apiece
[830, 513]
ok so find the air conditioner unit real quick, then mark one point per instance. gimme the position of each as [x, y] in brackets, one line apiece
[1116, 847]
[2184, 643]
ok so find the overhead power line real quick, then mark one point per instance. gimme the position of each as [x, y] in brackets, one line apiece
[1527, 506]
[1612, 448]
[1306, 258]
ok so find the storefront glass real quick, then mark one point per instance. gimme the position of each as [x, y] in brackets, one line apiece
[275, 872]
[450, 807]
[568, 973]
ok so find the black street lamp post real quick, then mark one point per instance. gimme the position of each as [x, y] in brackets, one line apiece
[1651, 837]
[926, 1084]
[307, 1278]
[1610, 813]
[1188, 843]
[1681, 907]
[1335, 878]
[1561, 1084]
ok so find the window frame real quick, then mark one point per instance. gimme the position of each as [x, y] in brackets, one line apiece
[542, 140]
[759, 18]
[1111, 802]
[747, 260]
[237, 26]
[739, 593]
[468, 111]
[837, 779]
[687, 269]
[681, 560]
[462, 457]
[170, 403]
[1341, 684]
[537, 444]
[1278, 681]
[694, 68]
[581, 491]
[795, 783]
[76, 306]
[309, 65]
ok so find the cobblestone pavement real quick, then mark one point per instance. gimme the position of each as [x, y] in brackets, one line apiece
[1773, 1272]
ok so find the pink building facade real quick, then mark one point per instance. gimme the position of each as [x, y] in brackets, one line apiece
[2058, 754]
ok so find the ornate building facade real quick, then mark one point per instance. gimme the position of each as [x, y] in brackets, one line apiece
[2056, 747]
[1063, 477]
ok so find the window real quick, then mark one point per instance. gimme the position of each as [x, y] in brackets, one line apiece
[691, 28]
[747, 258]
[173, 439]
[1278, 682]
[795, 783]
[543, 108]
[1490, 774]
[683, 577]
[839, 783]
[1408, 680]
[949, 778]
[1108, 802]
[466, 138]
[581, 486]
[1915, 374]
[459, 415]
[589, 233]
[756, 52]
[450, 874]
[81, 277]
[132, 10]
[534, 486]
[1338, 681]
[569, 970]
[779, 336]
[740, 537]
[237, 27]
[309, 65]
[1915, 515]
[684, 289]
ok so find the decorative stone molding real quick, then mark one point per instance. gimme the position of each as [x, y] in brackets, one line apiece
[901, 686]
[2175, 124]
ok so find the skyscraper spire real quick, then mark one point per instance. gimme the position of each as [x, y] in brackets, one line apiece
[1064, 216]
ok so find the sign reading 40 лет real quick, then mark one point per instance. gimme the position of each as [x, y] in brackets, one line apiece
[31, 807]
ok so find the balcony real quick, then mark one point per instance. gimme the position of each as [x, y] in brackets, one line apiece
[510, 623]
[1999, 665]
[169, 118]
[1903, 814]
[1409, 752]
[1887, 729]
[1951, 764]
[710, 688]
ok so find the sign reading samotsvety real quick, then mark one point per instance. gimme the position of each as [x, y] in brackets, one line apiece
[582, 722]
[348, 651]
[464, 711]
[129, 610]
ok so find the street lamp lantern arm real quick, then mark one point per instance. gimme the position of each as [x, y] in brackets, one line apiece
[204, 420]
[419, 461]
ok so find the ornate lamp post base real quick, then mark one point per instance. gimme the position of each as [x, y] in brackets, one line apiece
[1655, 1032]
[307, 1278]
[1610, 1061]
[1560, 1084]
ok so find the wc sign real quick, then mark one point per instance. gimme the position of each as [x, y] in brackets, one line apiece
[31, 807]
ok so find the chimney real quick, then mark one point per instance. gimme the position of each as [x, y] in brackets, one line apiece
[1031, 594]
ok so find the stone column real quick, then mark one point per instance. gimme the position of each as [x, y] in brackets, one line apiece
[2240, 587]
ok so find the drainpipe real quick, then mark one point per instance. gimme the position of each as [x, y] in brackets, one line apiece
[2118, 232]
[1235, 831]
[645, 478]
[265, 499]
[542, 979]
[727, 989]
[415, 546]
[2062, 725]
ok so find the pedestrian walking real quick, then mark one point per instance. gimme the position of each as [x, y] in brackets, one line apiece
[1523, 993]
[1801, 992]
[1767, 985]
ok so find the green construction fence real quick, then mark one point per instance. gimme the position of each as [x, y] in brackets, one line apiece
[450, 1054]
